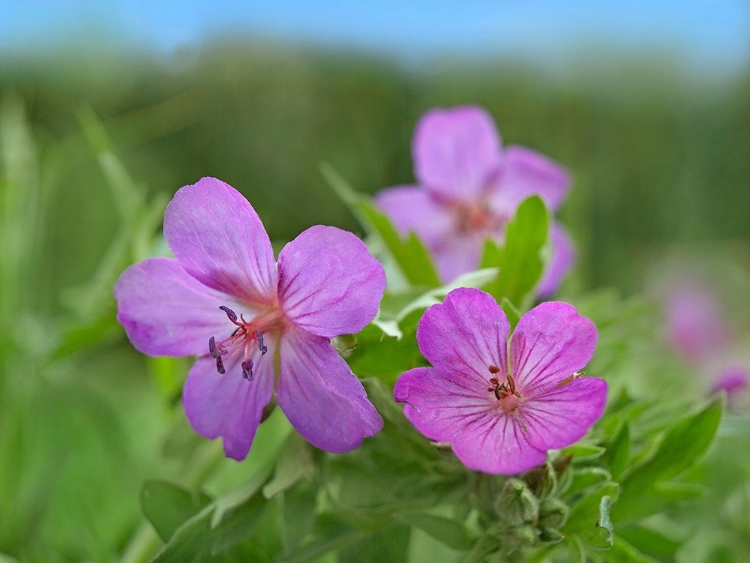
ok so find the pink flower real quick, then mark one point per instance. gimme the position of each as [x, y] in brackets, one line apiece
[695, 325]
[258, 328]
[469, 188]
[502, 405]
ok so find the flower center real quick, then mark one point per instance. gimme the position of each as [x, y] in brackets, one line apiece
[246, 337]
[476, 218]
[505, 393]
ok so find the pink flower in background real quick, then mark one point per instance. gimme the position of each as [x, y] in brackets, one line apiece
[732, 380]
[502, 406]
[695, 324]
[259, 328]
[469, 188]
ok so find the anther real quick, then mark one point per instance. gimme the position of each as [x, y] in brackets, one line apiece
[262, 347]
[231, 314]
[247, 370]
[212, 347]
[220, 365]
[494, 369]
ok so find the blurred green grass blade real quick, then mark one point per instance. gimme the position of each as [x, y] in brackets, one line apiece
[520, 258]
[410, 254]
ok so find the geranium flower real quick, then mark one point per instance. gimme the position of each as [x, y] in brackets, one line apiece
[259, 328]
[469, 188]
[502, 405]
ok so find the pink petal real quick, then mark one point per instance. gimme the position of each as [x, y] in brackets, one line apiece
[228, 405]
[562, 258]
[560, 416]
[329, 284]
[321, 397]
[218, 238]
[456, 255]
[464, 336]
[167, 312]
[526, 173]
[456, 151]
[550, 343]
[414, 209]
[482, 437]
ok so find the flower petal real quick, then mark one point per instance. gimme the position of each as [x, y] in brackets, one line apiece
[166, 311]
[218, 238]
[562, 258]
[229, 405]
[330, 284]
[483, 438]
[464, 336]
[526, 173]
[550, 343]
[321, 397]
[414, 209]
[561, 416]
[456, 151]
[456, 255]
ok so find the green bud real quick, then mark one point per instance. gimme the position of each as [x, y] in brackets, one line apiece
[550, 535]
[522, 536]
[542, 480]
[552, 513]
[517, 504]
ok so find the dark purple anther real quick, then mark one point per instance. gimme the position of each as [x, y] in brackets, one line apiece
[220, 365]
[247, 370]
[212, 347]
[262, 347]
[231, 314]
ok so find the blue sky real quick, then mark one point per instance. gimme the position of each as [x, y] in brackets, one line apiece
[711, 34]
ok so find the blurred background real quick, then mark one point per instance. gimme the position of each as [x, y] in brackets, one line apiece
[106, 109]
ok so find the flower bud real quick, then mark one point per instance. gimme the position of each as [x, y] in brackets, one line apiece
[550, 535]
[517, 504]
[522, 536]
[552, 513]
[542, 480]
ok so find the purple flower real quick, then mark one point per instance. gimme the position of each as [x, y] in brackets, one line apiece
[259, 328]
[502, 405]
[732, 380]
[469, 188]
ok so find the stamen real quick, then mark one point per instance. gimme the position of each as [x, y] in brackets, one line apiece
[247, 370]
[262, 347]
[493, 369]
[220, 365]
[212, 347]
[231, 314]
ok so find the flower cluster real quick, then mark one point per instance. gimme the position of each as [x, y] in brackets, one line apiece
[261, 328]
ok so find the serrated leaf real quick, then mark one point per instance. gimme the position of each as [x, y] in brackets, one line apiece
[294, 463]
[589, 518]
[520, 259]
[684, 442]
[618, 452]
[168, 506]
[451, 533]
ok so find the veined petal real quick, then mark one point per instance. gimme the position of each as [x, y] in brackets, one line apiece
[218, 238]
[526, 173]
[329, 284]
[483, 437]
[166, 311]
[413, 209]
[321, 397]
[456, 151]
[228, 405]
[455, 255]
[561, 415]
[550, 343]
[562, 257]
[464, 336]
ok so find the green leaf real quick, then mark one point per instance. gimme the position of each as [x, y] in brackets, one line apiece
[623, 552]
[618, 452]
[410, 254]
[649, 542]
[586, 477]
[485, 546]
[294, 463]
[520, 259]
[589, 518]
[683, 444]
[167, 506]
[583, 451]
[451, 533]
[297, 514]
[576, 550]
[330, 534]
